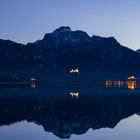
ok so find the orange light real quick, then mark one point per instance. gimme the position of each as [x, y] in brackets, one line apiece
[132, 85]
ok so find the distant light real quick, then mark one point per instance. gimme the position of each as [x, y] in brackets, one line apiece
[33, 79]
[33, 85]
[118, 83]
[108, 83]
[74, 94]
[131, 77]
[132, 85]
[74, 70]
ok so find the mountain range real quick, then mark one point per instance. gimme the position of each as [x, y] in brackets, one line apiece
[62, 50]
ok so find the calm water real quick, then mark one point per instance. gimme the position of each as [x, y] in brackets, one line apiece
[69, 112]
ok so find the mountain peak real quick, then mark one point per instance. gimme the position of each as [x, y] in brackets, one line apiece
[62, 29]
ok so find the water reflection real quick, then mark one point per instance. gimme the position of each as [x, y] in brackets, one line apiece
[74, 94]
[63, 116]
[33, 85]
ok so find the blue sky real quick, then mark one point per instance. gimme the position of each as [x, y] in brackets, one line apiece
[28, 20]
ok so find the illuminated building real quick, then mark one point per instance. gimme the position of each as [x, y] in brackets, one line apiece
[132, 85]
[132, 82]
[74, 70]
[131, 78]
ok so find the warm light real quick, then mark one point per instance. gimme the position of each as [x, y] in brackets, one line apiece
[33, 79]
[74, 94]
[108, 83]
[131, 77]
[74, 70]
[132, 85]
[118, 83]
[33, 85]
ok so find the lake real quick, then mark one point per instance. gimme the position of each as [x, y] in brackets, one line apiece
[70, 111]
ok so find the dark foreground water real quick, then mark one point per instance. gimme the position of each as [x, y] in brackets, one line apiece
[75, 113]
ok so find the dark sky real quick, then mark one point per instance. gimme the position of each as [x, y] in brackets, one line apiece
[28, 20]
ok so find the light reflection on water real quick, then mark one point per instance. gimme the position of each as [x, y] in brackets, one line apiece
[55, 114]
[74, 94]
[33, 85]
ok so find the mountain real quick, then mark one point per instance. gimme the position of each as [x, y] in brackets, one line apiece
[138, 50]
[62, 50]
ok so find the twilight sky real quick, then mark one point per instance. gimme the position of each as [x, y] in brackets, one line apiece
[28, 20]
